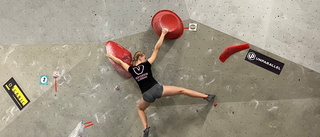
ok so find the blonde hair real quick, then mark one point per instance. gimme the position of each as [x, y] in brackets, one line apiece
[137, 55]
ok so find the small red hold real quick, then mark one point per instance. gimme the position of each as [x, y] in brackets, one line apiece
[215, 104]
[117, 88]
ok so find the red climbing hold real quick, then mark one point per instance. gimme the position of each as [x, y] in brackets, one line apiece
[170, 20]
[121, 53]
[231, 50]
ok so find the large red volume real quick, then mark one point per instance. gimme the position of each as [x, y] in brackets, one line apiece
[121, 53]
[170, 20]
[231, 50]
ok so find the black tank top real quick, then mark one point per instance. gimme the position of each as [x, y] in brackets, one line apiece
[143, 76]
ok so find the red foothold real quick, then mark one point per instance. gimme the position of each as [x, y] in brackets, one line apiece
[117, 88]
[215, 104]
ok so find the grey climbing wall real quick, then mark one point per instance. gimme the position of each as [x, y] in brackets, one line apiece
[251, 100]
[81, 21]
[275, 26]
[40, 37]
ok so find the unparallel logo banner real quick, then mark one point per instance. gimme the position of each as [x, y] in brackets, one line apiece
[264, 61]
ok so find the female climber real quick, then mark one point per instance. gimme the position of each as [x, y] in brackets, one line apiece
[150, 88]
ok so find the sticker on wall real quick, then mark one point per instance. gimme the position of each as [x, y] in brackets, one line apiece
[44, 80]
[88, 124]
[264, 61]
[55, 76]
[16, 94]
[193, 26]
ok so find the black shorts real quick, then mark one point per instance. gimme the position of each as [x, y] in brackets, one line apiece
[153, 93]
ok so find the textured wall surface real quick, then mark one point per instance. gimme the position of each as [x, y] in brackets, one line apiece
[81, 21]
[287, 28]
[68, 36]
[275, 26]
[251, 100]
